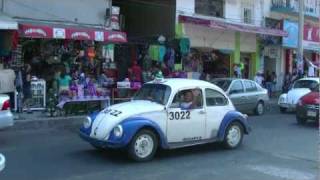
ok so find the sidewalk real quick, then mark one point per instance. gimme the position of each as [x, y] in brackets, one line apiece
[39, 120]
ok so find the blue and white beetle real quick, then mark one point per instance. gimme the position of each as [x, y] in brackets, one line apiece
[159, 116]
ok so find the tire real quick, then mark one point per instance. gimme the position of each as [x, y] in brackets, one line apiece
[259, 110]
[143, 138]
[230, 142]
[301, 120]
[283, 110]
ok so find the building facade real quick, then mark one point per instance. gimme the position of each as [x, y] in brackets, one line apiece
[281, 54]
[236, 27]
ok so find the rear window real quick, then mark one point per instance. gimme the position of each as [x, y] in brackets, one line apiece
[250, 86]
[306, 84]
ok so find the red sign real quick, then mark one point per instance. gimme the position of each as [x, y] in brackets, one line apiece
[34, 31]
[311, 33]
[115, 36]
[80, 34]
[94, 34]
[217, 24]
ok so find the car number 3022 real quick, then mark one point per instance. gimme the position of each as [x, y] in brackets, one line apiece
[179, 115]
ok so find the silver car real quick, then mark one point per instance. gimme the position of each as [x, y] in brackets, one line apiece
[6, 117]
[246, 95]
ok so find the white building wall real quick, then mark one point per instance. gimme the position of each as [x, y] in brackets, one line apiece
[91, 12]
[185, 6]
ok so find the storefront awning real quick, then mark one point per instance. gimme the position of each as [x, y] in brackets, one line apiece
[222, 25]
[71, 32]
[7, 23]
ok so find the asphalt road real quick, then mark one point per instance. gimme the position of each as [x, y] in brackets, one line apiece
[276, 149]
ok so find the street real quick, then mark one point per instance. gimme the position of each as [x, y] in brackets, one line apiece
[277, 148]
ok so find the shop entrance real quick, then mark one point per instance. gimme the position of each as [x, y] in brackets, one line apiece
[270, 64]
[246, 60]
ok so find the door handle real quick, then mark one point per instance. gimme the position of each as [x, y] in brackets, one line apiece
[202, 112]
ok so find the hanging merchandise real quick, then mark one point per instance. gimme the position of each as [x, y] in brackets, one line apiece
[162, 52]
[108, 52]
[184, 46]
[154, 52]
[170, 58]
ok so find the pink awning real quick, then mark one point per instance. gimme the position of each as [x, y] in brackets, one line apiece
[71, 32]
[222, 25]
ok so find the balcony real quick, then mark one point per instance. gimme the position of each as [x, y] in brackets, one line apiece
[312, 9]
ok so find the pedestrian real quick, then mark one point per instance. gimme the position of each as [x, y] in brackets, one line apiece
[287, 82]
[27, 88]
[64, 81]
[258, 78]
[274, 81]
[268, 83]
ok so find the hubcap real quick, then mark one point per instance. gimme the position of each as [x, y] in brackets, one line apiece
[143, 146]
[260, 108]
[234, 136]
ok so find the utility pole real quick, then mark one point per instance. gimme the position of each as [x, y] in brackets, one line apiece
[300, 38]
[2, 5]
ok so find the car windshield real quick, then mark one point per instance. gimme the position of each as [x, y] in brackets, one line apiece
[222, 83]
[158, 93]
[305, 84]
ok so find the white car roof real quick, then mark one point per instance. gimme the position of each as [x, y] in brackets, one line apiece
[180, 83]
[311, 79]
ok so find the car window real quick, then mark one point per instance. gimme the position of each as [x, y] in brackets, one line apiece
[250, 86]
[154, 92]
[188, 99]
[236, 88]
[305, 84]
[222, 83]
[215, 98]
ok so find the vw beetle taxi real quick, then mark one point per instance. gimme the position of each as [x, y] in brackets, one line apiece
[168, 114]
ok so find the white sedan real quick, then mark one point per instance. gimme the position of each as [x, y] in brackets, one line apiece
[300, 88]
[6, 117]
[168, 114]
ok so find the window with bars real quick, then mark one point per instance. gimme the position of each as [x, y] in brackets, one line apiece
[247, 11]
[210, 7]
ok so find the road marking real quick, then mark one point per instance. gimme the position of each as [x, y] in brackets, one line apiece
[284, 173]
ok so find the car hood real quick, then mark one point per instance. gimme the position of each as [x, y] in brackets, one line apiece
[113, 115]
[295, 94]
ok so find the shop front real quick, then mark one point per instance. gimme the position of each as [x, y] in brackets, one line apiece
[232, 45]
[69, 64]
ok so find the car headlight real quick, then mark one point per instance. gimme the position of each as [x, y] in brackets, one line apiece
[118, 131]
[87, 122]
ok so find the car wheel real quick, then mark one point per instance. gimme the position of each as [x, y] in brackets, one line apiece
[301, 120]
[143, 146]
[233, 135]
[283, 110]
[259, 110]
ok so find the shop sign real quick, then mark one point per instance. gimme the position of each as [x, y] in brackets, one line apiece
[99, 36]
[116, 37]
[59, 33]
[36, 31]
[224, 25]
[311, 37]
[79, 34]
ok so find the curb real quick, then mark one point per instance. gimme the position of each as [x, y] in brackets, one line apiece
[47, 123]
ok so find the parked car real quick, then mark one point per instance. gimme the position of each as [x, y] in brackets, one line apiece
[2, 162]
[6, 117]
[246, 95]
[300, 88]
[308, 107]
[169, 113]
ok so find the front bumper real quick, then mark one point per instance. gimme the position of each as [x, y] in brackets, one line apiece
[6, 119]
[310, 112]
[286, 105]
[101, 143]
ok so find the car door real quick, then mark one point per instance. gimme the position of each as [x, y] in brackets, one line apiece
[186, 124]
[252, 94]
[217, 106]
[237, 96]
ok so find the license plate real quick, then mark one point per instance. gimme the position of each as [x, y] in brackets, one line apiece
[311, 113]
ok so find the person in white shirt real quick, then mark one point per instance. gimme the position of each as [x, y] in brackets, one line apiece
[258, 78]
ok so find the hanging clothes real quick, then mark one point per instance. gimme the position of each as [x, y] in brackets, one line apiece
[184, 46]
[162, 52]
[154, 52]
